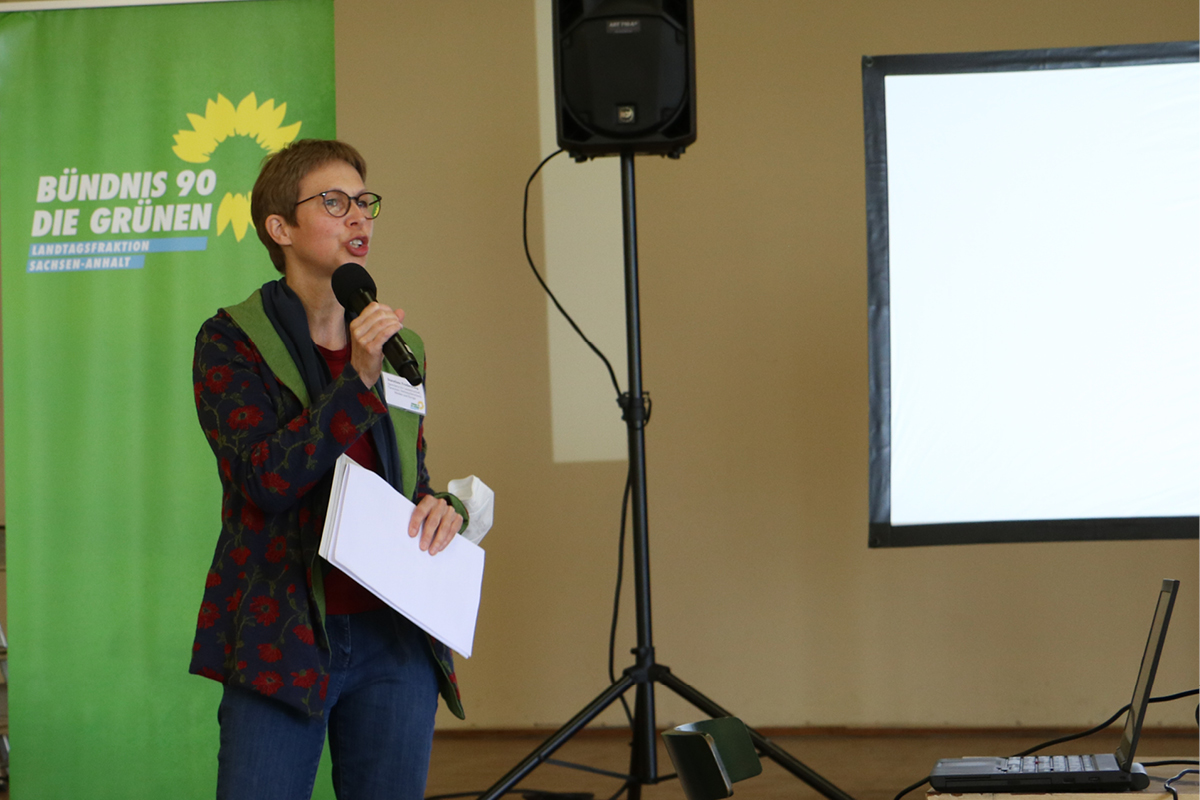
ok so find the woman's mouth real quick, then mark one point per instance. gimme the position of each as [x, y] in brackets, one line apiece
[358, 246]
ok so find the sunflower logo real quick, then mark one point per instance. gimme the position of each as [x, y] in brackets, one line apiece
[249, 122]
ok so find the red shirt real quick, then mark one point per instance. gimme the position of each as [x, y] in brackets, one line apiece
[343, 594]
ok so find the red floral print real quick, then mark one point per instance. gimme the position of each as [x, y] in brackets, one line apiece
[298, 422]
[226, 468]
[208, 615]
[342, 428]
[259, 453]
[269, 652]
[247, 352]
[209, 672]
[371, 402]
[275, 482]
[265, 609]
[276, 549]
[212, 580]
[245, 417]
[268, 682]
[233, 601]
[310, 448]
[324, 685]
[252, 518]
[240, 555]
[304, 633]
[304, 678]
[218, 378]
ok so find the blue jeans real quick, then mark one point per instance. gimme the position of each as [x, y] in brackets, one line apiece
[379, 712]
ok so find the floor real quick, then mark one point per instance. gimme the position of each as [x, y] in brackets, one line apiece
[867, 767]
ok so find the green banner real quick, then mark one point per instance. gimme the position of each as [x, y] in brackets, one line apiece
[129, 143]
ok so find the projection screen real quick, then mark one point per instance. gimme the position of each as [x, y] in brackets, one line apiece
[1033, 225]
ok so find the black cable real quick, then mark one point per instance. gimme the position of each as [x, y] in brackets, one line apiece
[536, 274]
[1171, 763]
[905, 791]
[1088, 732]
[1074, 736]
[1167, 784]
[612, 636]
[1105, 724]
[612, 632]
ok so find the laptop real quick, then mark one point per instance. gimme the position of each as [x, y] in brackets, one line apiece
[1102, 772]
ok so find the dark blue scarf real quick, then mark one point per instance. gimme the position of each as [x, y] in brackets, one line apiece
[287, 315]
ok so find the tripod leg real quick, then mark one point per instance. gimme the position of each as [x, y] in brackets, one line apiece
[559, 738]
[768, 748]
[643, 758]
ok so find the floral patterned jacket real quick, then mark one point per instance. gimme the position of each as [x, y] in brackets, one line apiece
[261, 617]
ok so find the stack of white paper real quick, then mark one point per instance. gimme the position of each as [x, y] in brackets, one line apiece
[366, 536]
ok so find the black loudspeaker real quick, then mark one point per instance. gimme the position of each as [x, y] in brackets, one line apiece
[624, 77]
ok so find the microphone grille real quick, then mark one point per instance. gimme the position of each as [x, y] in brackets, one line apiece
[348, 279]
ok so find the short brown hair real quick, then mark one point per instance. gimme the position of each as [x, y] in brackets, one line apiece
[279, 182]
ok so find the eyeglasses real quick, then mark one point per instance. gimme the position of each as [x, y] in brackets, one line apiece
[337, 203]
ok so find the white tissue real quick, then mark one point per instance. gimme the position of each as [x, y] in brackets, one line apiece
[479, 499]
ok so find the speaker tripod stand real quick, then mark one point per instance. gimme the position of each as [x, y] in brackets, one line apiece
[645, 672]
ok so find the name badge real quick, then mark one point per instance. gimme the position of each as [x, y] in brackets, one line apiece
[402, 394]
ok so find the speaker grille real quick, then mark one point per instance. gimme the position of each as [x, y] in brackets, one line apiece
[624, 76]
[613, 66]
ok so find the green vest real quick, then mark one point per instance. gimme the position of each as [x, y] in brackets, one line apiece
[251, 318]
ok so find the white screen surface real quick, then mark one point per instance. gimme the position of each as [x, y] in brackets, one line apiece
[1044, 294]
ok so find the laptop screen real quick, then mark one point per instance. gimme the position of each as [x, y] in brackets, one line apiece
[1145, 679]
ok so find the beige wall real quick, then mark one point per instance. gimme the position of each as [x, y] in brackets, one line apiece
[765, 594]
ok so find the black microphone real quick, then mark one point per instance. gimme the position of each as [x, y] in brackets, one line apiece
[354, 289]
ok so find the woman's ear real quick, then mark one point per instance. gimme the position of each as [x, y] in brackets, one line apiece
[279, 230]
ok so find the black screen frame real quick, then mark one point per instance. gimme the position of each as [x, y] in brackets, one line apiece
[874, 70]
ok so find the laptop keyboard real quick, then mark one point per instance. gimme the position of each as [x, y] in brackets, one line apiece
[1031, 764]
